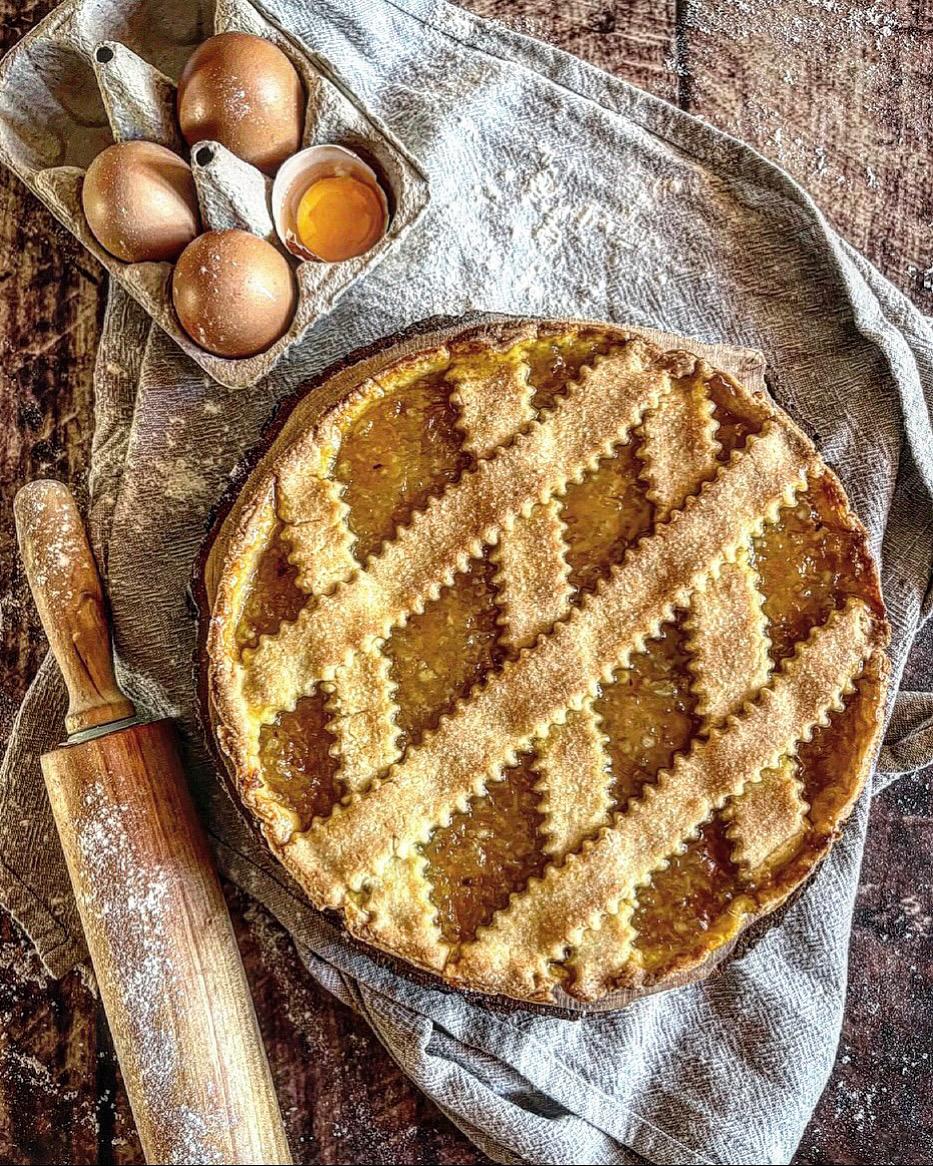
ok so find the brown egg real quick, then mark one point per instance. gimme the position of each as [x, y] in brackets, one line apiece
[234, 293]
[140, 202]
[243, 92]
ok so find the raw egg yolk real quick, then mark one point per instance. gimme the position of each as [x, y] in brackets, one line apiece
[340, 217]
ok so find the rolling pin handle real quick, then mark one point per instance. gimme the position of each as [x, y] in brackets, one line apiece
[66, 586]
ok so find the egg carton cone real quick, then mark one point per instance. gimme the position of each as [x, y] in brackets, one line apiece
[139, 100]
[231, 192]
[94, 72]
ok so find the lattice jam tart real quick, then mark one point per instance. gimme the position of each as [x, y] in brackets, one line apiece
[548, 658]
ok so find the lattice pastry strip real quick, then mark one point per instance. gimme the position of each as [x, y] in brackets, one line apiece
[316, 530]
[361, 692]
[729, 641]
[575, 782]
[767, 820]
[679, 446]
[493, 402]
[517, 705]
[363, 717]
[531, 576]
[400, 904]
[533, 592]
[601, 951]
[553, 912]
[727, 625]
[588, 423]
[679, 451]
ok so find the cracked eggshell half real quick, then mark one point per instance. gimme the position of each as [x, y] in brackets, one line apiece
[328, 205]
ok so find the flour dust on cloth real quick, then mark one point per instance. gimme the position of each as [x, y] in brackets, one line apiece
[556, 190]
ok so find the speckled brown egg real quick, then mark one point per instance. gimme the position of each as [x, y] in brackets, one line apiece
[242, 91]
[234, 293]
[140, 202]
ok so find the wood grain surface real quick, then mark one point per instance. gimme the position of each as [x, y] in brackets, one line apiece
[838, 92]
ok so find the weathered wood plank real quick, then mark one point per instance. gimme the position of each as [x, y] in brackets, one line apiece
[51, 299]
[48, 1060]
[838, 93]
[635, 39]
[878, 1105]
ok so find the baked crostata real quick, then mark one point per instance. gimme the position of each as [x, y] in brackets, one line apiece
[546, 657]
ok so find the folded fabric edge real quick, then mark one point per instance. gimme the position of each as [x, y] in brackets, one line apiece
[57, 938]
[909, 744]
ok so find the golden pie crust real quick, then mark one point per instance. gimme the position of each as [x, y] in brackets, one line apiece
[545, 656]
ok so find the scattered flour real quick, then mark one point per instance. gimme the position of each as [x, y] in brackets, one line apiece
[134, 923]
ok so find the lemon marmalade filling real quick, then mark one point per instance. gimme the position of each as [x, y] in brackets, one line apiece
[406, 446]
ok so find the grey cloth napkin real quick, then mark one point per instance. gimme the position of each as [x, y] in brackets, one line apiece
[556, 190]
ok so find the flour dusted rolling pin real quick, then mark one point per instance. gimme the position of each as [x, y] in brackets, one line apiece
[155, 919]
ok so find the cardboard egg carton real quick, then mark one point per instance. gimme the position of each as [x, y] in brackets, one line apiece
[98, 71]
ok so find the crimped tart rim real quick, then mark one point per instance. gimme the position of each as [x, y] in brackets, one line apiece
[238, 542]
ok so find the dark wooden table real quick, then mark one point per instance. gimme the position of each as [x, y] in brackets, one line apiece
[838, 92]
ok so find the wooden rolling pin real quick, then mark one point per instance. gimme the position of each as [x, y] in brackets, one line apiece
[157, 927]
